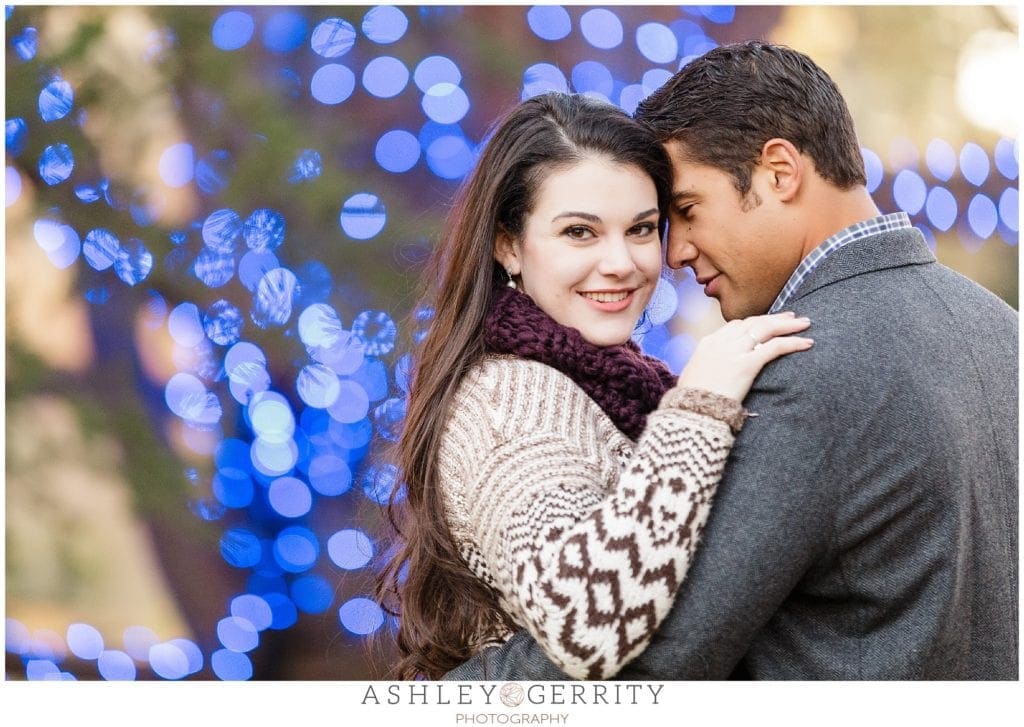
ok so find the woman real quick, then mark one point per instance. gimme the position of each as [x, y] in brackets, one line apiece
[556, 478]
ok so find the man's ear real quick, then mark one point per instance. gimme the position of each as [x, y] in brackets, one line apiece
[786, 167]
[506, 252]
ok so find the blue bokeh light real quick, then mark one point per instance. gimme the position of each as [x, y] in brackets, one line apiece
[1006, 158]
[549, 22]
[1009, 208]
[101, 248]
[436, 69]
[296, 549]
[56, 100]
[232, 30]
[17, 639]
[233, 488]
[352, 403]
[213, 269]
[657, 43]
[601, 28]
[631, 96]
[333, 38]
[654, 79]
[237, 634]
[221, 229]
[591, 76]
[231, 665]
[376, 330]
[332, 84]
[253, 609]
[56, 163]
[134, 262]
[284, 31]
[330, 475]
[312, 594]
[363, 216]
[350, 549]
[320, 326]
[384, 24]
[541, 78]
[116, 665]
[254, 265]
[16, 135]
[307, 165]
[193, 655]
[185, 326]
[941, 159]
[240, 548]
[138, 640]
[223, 323]
[974, 164]
[378, 482]
[168, 661]
[177, 164]
[941, 208]
[450, 156]
[909, 191]
[271, 417]
[982, 216]
[283, 608]
[84, 641]
[361, 616]
[290, 497]
[26, 44]
[264, 229]
[397, 151]
[273, 299]
[213, 171]
[12, 190]
[445, 103]
[317, 385]
[873, 169]
[385, 77]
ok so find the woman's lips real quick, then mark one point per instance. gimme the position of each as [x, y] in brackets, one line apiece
[609, 306]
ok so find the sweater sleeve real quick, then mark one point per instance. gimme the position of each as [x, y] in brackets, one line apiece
[591, 567]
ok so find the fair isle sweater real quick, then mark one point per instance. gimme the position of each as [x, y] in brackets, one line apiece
[584, 534]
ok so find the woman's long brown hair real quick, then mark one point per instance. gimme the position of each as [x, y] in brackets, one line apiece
[445, 611]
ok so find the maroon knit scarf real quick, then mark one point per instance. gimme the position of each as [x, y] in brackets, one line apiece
[623, 381]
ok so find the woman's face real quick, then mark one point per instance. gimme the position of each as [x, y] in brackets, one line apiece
[590, 255]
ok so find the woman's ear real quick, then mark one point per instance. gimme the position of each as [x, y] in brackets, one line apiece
[785, 166]
[506, 252]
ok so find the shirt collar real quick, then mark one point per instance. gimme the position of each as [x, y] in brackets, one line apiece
[856, 231]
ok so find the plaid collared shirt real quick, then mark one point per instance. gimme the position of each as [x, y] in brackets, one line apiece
[860, 230]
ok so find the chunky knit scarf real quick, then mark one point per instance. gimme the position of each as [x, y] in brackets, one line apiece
[623, 381]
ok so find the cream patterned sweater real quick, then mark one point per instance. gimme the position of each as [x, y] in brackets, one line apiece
[585, 534]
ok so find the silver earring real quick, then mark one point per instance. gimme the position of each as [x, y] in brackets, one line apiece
[511, 282]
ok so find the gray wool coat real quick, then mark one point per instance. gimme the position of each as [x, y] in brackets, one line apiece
[866, 527]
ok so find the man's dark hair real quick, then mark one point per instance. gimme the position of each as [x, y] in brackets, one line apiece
[726, 104]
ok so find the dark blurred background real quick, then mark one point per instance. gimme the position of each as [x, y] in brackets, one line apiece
[215, 219]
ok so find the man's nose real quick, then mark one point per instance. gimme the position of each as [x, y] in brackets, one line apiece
[681, 251]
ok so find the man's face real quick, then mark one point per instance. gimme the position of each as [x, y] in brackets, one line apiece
[742, 248]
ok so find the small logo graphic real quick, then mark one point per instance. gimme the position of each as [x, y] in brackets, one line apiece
[511, 694]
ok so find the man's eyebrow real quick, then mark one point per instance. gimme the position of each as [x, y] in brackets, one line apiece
[595, 219]
[683, 196]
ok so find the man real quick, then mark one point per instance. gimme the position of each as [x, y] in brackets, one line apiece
[867, 524]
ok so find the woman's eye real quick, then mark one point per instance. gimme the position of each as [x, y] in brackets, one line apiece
[644, 229]
[577, 232]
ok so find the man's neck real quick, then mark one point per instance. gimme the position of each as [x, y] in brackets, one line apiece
[835, 210]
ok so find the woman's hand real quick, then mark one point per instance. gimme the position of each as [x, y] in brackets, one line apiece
[727, 361]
